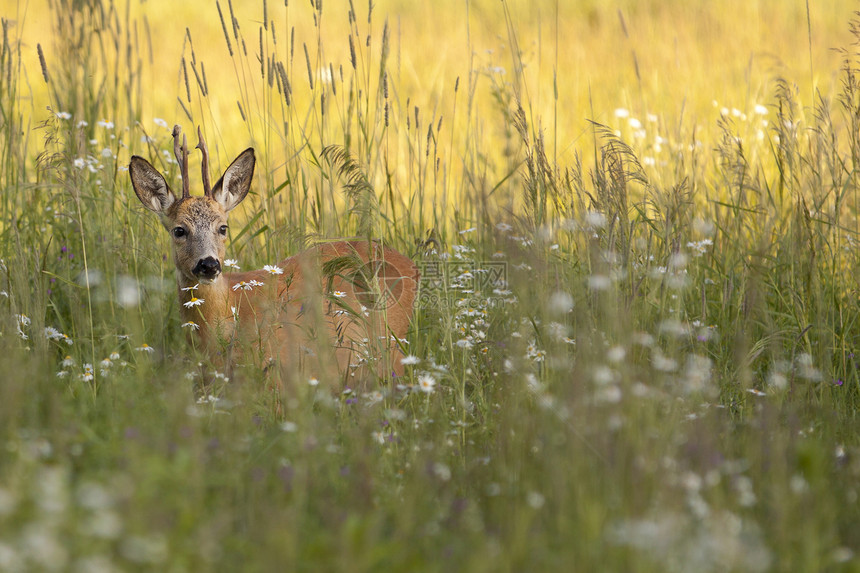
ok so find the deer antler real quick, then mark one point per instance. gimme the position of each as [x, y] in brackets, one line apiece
[181, 153]
[201, 145]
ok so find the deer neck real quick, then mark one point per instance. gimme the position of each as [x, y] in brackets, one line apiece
[213, 304]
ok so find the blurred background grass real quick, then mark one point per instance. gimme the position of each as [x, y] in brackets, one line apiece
[672, 58]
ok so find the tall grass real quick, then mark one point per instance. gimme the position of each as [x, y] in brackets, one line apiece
[640, 359]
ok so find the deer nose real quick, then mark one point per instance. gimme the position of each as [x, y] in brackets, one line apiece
[207, 268]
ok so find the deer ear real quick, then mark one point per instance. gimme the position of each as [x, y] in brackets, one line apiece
[149, 186]
[236, 181]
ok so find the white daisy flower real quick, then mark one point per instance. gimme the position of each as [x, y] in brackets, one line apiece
[193, 302]
[426, 383]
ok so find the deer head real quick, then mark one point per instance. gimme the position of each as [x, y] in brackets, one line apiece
[198, 225]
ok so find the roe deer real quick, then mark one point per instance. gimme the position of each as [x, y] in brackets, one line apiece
[355, 297]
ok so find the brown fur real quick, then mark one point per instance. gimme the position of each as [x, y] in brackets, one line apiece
[295, 317]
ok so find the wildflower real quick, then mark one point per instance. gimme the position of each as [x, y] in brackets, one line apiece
[67, 362]
[105, 364]
[533, 353]
[503, 227]
[806, 368]
[52, 333]
[191, 288]
[193, 302]
[378, 437]
[616, 354]
[760, 109]
[426, 383]
[560, 302]
[663, 363]
[62, 374]
[409, 360]
[777, 380]
[464, 343]
[610, 394]
[599, 282]
[145, 348]
[755, 392]
[603, 375]
[273, 269]
[535, 499]
[698, 373]
[339, 294]
[289, 427]
[105, 124]
[82, 123]
[622, 112]
[87, 376]
[247, 285]
[191, 324]
[595, 220]
[373, 398]
[22, 323]
[159, 122]
[674, 328]
[232, 263]
[469, 230]
[442, 471]
[744, 487]
[114, 355]
[700, 247]
[63, 115]
[312, 381]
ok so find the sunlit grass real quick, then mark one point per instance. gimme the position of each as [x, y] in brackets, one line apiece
[634, 347]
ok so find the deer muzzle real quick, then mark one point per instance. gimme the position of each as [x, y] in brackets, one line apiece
[207, 269]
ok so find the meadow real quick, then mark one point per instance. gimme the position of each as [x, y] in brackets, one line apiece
[634, 343]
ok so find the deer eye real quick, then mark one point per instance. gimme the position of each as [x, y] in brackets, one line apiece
[179, 232]
[223, 229]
